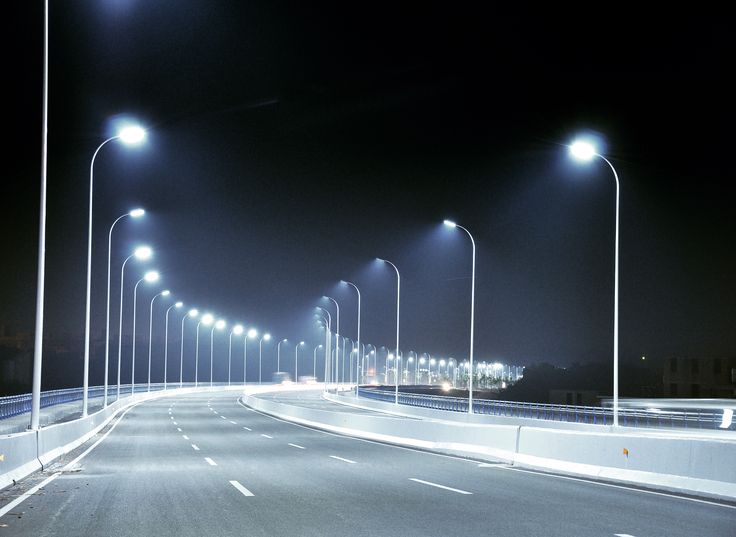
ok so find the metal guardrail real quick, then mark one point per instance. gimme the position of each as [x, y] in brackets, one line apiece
[708, 418]
[14, 405]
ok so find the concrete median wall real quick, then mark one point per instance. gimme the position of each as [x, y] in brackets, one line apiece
[661, 460]
[29, 451]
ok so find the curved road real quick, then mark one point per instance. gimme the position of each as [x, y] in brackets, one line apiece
[205, 465]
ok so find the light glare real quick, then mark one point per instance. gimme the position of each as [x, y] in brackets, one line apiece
[220, 324]
[238, 329]
[449, 223]
[266, 337]
[132, 134]
[143, 253]
[193, 312]
[252, 333]
[178, 304]
[165, 292]
[151, 276]
[582, 150]
[207, 319]
[137, 213]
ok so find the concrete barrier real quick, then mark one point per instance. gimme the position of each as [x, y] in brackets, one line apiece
[24, 453]
[678, 462]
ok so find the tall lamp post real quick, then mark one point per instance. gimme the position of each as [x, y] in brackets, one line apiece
[166, 340]
[252, 334]
[141, 253]
[314, 366]
[191, 313]
[129, 135]
[135, 213]
[219, 325]
[265, 337]
[337, 342]
[296, 361]
[585, 151]
[398, 301]
[278, 354]
[237, 330]
[450, 223]
[357, 358]
[165, 292]
[207, 319]
[150, 277]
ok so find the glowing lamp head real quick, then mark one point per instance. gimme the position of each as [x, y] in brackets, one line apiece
[238, 329]
[142, 253]
[151, 276]
[266, 337]
[165, 292]
[220, 324]
[301, 343]
[207, 319]
[193, 312]
[252, 333]
[178, 304]
[449, 223]
[132, 134]
[137, 213]
[582, 150]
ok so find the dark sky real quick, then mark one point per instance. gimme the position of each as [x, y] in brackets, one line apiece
[292, 143]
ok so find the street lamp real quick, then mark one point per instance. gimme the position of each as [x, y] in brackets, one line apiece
[219, 325]
[237, 330]
[207, 319]
[452, 224]
[135, 213]
[327, 318]
[337, 343]
[278, 355]
[150, 334]
[398, 300]
[357, 383]
[191, 313]
[314, 368]
[296, 361]
[149, 277]
[129, 135]
[252, 333]
[585, 151]
[266, 337]
[166, 340]
[142, 253]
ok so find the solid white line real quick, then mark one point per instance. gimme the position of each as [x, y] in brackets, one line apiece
[194, 446]
[623, 535]
[233, 422]
[247, 428]
[28, 494]
[178, 429]
[341, 459]
[210, 461]
[297, 446]
[20, 499]
[185, 437]
[266, 436]
[475, 462]
[241, 488]
[438, 486]
[611, 485]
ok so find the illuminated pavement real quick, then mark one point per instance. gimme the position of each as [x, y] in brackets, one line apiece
[204, 465]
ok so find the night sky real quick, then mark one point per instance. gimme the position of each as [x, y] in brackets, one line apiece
[290, 144]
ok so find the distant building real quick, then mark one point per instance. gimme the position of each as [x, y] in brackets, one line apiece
[700, 377]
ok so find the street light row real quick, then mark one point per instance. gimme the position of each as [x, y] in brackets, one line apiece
[580, 150]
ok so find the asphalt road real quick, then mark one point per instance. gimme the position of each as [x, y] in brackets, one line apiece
[205, 465]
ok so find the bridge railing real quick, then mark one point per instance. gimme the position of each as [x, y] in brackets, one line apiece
[690, 418]
[14, 405]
